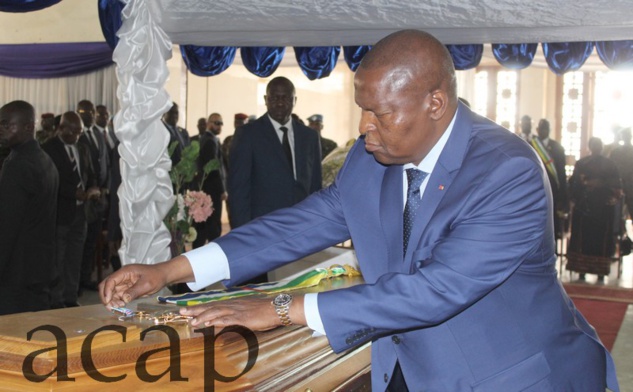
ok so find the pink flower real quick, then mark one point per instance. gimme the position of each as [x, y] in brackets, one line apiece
[199, 205]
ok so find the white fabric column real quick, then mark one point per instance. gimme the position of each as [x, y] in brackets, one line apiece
[146, 193]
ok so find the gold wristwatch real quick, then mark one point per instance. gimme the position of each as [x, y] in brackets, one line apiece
[282, 307]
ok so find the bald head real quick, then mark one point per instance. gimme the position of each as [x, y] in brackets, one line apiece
[406, 89]
[17, 123]
[70, 127]
[414, 56]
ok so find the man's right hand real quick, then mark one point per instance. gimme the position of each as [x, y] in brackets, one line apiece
[137, 280]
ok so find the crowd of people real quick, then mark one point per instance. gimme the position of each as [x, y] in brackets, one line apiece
[451, 216]
[275, 163]
[70, 156]
[592, 205]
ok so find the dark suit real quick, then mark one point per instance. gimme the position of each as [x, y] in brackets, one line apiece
[99, 155]
[559, 185]
[180, 135]
[260, 178]
[213, 185]
[475, 305]
[28, 205]
[71, 218]
[100, 158]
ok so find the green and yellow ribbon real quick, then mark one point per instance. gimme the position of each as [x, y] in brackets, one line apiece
[309, 279]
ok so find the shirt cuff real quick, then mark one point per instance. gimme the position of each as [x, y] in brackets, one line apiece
[311, 312]
[209, 265]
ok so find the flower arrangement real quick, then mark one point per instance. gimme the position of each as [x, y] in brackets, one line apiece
[190, 205]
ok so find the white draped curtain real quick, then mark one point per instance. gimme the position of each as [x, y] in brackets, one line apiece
[59, 95]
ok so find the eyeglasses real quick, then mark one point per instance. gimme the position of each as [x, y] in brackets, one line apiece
[218, 123]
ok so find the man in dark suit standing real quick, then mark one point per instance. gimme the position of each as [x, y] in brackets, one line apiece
[77, 184]
[176, 133]
[214, 183]
[315, 122]
[94, 139]
[275, 161]
[28, 206]
[553, 158]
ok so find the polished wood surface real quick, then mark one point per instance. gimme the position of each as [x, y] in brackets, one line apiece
[288, 358]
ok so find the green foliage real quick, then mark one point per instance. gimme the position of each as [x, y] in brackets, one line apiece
[185, 171]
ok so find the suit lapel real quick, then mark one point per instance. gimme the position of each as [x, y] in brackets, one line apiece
[439, 183]
[300, 149]
[391, 208]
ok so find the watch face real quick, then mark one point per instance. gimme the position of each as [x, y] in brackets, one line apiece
[282, 299]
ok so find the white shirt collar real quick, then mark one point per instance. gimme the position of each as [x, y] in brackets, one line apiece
[279, 125]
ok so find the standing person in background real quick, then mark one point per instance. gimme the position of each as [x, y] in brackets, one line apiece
[526, 128]
[315, 122]
[28, 208]
[47, 122]
[275, 161]
[94, 139]
[451, 219]
[595, 189]
[102, 125]
[202, 128]
[77, 184]
[214, 183]
[622, 156]
[552, 155]
[238, 120]
[176, 133]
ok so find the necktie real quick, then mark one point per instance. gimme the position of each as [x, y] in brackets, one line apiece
[286, 145]
[105, 137]
[92, 139]
[414, 179]
[73, 163]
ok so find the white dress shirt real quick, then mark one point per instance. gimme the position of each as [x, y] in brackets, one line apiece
[291, 139]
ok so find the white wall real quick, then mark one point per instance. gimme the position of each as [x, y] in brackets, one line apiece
[67, 21]
[238, 91]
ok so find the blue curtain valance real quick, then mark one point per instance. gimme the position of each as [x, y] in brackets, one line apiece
[40, 61]
[616, 55]
[466, 56]
[262, 61]
[354, 54]
[514, 56]
[110, 18]
[317, 62]
[563, 57]
[207, 60]
[25, 5]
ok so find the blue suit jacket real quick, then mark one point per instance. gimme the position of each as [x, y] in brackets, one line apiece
[475, 304]
[260, 178]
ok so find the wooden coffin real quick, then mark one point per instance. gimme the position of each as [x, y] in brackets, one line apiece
[98, 357]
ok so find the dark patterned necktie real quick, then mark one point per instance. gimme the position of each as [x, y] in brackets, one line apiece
[286, 145]
[414, 178]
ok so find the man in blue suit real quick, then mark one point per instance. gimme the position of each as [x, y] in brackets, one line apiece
[472, 302]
